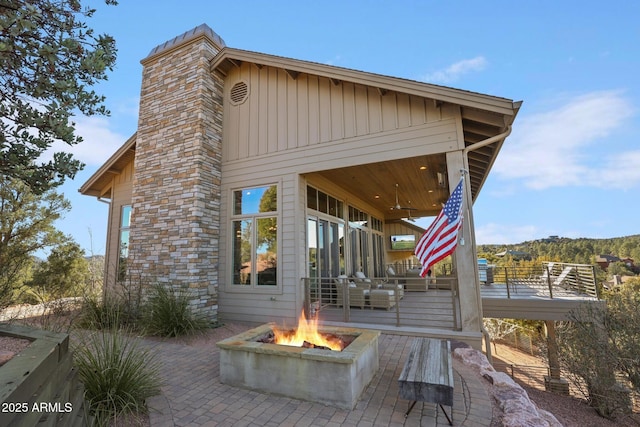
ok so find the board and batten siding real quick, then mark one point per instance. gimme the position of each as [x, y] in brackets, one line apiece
[281, 113]
[121, 190]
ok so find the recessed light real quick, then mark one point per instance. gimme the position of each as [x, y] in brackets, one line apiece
[423, 168]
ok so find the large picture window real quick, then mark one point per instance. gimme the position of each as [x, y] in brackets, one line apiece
[255, 236]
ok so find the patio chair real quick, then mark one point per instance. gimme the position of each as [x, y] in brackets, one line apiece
[382, 298]
[358, 292]
[416, 283]
[394, 287]
[559, 281]
[360, 278]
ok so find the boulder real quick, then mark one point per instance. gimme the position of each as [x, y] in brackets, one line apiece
[518, 410]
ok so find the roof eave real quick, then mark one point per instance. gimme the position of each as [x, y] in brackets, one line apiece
[86, 188]
[229, 57]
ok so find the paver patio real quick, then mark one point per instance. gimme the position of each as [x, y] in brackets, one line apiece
[194, 396]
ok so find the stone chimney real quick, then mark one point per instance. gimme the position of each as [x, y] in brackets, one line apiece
[175, 225]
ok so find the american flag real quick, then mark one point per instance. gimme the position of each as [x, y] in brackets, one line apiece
[441, 238]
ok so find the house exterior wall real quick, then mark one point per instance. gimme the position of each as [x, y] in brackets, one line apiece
[196, 145]
[286, 130]
[121, 188]
[282, 114]
[176, 183]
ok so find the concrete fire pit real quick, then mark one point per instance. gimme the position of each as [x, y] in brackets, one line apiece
[335, 378]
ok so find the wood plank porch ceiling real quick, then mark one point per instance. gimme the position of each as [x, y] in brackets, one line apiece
[419, 186]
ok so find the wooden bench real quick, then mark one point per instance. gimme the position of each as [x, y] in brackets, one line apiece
[428, 374]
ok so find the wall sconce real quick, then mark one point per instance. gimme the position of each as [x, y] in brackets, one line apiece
[441, 180]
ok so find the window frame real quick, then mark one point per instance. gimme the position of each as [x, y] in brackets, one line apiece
[121, 272]
[253, 218]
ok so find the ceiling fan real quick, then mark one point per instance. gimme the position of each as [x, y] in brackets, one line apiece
[397, 205]
[409, 218]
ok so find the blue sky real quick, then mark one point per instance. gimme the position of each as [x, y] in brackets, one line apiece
[571, 167]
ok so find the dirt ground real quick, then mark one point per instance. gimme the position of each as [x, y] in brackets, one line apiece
[571, 411]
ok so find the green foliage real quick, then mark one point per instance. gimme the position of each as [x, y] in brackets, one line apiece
[118, 375]
[600, 346]
[105, 313]
[63, 274]
[619, 268]
[579, 251]
[26, 226]
[50, 59]
[624, 326]
[168, 313]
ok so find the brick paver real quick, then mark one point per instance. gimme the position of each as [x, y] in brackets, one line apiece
[193, 395]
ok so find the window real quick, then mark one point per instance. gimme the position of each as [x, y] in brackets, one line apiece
[255, 236]
[322, 202]
[359, 240]
[123, 248]
[377, 236]
[325, 235]
[336, 247]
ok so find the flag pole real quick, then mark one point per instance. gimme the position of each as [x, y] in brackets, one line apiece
[463, 173]
[441, 238]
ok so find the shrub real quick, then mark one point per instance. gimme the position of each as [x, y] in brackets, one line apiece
[590, 355]
[167, 313]
[102, 313]
[117, 374]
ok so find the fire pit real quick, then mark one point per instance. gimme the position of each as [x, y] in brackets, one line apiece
[331, 377]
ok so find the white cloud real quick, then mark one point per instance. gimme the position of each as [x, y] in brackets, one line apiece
[551, 149]
[100, 142]
[128, 107]
[456, 70]
[492, 233]
[621, 170]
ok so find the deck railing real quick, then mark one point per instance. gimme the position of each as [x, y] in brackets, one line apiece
[414, 301]
[553, 277]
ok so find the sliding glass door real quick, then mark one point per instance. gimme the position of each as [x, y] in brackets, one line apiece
[325, 246]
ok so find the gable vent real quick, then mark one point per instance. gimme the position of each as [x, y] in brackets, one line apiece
[239, 93]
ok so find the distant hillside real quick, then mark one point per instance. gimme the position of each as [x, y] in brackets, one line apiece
[582, 250]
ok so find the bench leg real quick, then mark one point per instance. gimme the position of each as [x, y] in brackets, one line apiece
[411, 405]
[447, 415]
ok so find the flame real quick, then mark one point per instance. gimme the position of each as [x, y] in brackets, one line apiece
[307, 331]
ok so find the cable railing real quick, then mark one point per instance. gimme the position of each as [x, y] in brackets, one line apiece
[530, 375]
[549, 278]
[399, 301]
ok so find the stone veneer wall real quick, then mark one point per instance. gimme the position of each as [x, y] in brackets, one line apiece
[175, 225]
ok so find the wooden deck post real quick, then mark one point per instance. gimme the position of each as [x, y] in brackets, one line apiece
[554, 382]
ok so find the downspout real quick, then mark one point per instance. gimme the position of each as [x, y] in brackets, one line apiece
[465, 152]
[487, 141]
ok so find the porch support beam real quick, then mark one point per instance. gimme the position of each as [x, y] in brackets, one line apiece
[464, 260]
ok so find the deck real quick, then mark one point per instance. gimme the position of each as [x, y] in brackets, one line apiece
[425, 309]
[540, 296]
[531, 300]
